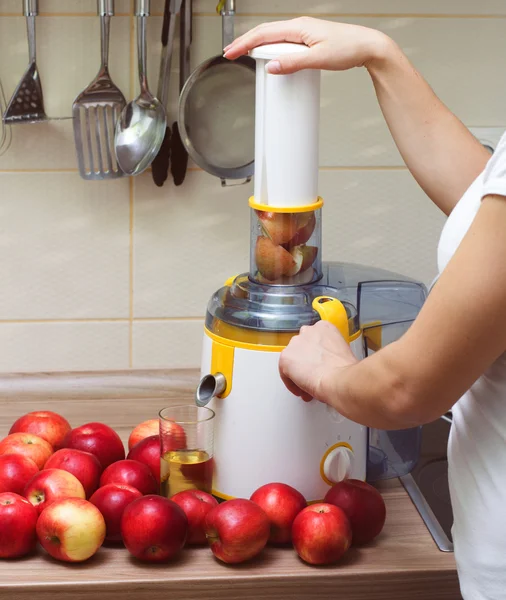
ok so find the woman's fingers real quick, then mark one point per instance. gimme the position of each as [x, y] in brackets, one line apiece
[267, 33]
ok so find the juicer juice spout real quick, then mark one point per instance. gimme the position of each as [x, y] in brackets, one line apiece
[210, 386]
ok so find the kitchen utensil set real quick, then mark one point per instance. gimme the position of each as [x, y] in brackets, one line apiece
[113, 138]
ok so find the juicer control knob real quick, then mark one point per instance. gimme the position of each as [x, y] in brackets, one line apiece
[338, 464]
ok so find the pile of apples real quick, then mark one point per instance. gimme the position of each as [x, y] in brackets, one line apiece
[73, 489]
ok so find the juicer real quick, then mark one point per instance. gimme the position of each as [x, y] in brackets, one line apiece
[263, 433]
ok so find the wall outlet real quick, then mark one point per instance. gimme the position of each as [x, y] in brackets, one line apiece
[488, 136]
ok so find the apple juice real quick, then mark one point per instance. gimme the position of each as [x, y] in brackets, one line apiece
[185, 470]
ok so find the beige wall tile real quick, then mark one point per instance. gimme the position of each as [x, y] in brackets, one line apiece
[63, 346]
[41, 146]
[62, 6]
[167, 344]
[382, 219]
[68, 56]
[294, 7]
[188, 241]
[64, 247]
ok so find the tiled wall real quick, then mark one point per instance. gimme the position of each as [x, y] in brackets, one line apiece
[112, 275]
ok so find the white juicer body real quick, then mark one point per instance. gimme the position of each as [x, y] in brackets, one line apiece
[265, 434]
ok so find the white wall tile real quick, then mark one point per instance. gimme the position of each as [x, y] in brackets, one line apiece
[167, 344]
[68, 57]
[188, 241]
[64, 247]
[382, 219]
[63, 346]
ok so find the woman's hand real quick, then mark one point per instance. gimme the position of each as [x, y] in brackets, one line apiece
[311, 360]
[333, 46]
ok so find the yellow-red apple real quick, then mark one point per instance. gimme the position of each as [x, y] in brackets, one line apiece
[29, 445]
[71, 529]
[50, 485]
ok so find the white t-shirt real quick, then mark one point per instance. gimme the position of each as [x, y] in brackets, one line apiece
[477, 445]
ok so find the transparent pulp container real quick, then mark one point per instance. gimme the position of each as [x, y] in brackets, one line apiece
[285, 247]
[187, 449]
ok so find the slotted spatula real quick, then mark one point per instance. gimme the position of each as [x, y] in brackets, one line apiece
[27, 102]
[95, 112]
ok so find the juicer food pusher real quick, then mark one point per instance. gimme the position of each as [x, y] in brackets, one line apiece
[263, 433]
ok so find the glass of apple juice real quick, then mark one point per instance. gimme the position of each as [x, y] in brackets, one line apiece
[187, 445]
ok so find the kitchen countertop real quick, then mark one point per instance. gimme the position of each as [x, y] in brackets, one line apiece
[402, 563]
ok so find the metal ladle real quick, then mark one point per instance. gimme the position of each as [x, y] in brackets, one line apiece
[141, 127]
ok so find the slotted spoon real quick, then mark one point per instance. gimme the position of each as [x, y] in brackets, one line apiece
[27, 102]
[95, 112]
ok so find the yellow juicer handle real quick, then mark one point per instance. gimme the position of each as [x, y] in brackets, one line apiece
[333, 311]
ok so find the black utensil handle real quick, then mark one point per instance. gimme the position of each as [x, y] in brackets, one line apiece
[160, 166]
[179, 157]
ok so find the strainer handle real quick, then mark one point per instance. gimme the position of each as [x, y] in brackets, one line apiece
[31, 8]
[227, 22]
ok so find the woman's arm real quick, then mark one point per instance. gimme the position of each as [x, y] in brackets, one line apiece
[442, 154]
[459, 333]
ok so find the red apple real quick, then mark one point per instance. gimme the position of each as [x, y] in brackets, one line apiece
[281, 503]
[16, 471]
[71, 529]
[99, 439]
[142, 431]
[280, 227]
[83, 465]
[50, 485]
[29, 445]
[133, 473]
[363, 505]
[50, 426]
[237, 530]
[306, 223]
[196, 505]
[154, 528]
[274, 261]
[148, 451]
[111, 500]
[321, 534]
[17, 526]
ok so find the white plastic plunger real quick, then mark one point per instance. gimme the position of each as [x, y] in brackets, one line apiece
[286, 131]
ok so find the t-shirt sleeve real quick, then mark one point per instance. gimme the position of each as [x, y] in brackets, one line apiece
[494, 181]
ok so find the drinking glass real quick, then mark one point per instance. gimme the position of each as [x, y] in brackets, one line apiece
[187, 449]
